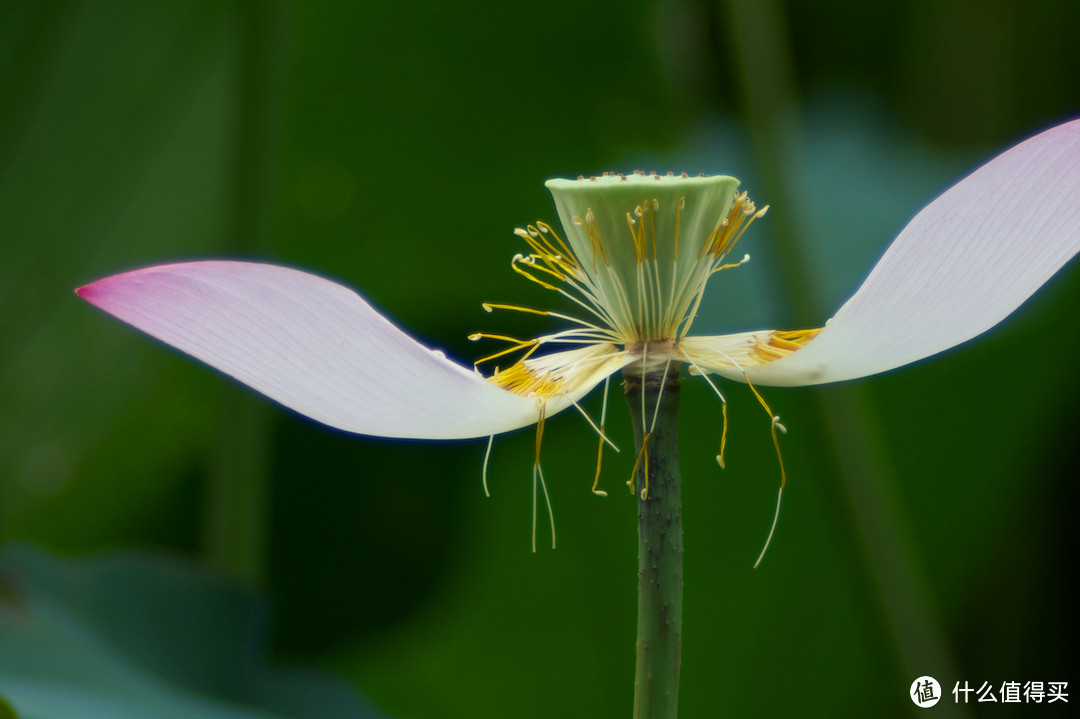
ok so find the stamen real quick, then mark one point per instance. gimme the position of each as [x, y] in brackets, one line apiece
[488, 307]
[519, 259]
[679, 207]
[772, 429]
[600, 331]
[659, 396]
[546, 229]
[781, 344]
[783, 475]
[723, 436]
[588, 293]
[694, 369]
[727, 233]
[637, 234]
[517, 345]
[732, 265]
[643, 452]
[600, 449]
[538, 477]
[487, 456]
[772, 529]
[652, 225]
[775, 424]
[594, 237]
[599, 430]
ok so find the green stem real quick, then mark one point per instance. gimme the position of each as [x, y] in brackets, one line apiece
[238, 492]
[654, 404]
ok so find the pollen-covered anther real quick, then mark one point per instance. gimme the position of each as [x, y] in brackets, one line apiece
[742, 214]
[781, 344]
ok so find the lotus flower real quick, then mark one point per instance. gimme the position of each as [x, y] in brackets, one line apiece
[634, 258]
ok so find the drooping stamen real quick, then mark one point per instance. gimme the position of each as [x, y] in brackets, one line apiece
[723, 436]
[538, 478]
[695, 369]
[600, 450]
[772, 528]
[647, 432]
[483, 474]
[604, 439]
[775, 425]
[783, 475]
[643, 452]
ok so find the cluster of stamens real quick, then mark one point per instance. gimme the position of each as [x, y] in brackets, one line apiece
[639, 299]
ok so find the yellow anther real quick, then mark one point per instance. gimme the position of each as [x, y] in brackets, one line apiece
[643, 452]
[723, 436]
[516, 345]
[488, 306]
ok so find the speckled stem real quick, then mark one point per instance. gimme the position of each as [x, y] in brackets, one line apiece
[654, 403]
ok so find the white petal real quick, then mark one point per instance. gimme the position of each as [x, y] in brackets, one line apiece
[314, 346]
[962, 265]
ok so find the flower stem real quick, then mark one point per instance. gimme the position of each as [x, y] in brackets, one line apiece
[654, 403]
[237, 522]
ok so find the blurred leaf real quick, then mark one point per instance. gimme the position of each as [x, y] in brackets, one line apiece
[136, 636]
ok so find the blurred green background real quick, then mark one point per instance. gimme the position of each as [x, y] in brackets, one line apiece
[928, 521]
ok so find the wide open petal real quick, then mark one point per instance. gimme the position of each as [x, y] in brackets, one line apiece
[962, 265]
[314, 346]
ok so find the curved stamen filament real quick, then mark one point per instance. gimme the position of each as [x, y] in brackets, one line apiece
[516, 345]
[643, 452]
[695, 369]
[487, 456]
[545, 229]
[774, 426]
[600, 449]
[514, 266]
[731, 265]
[538, 478]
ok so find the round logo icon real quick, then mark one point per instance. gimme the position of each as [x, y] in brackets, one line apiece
[925, 692]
